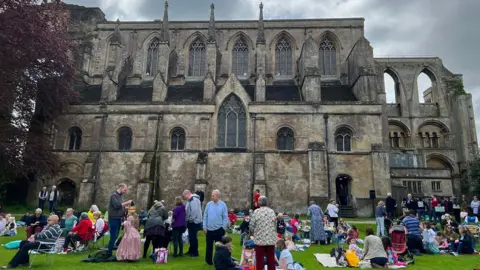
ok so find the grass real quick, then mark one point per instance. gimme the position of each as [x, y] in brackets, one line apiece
[73, 261]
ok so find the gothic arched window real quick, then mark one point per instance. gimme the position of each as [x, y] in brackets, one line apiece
[177, 139]
[124, 139]
[285, 139]
[343, 140]
[232, 124]
[283, 58]
[328, 58]
[75, 141]
[240, 58]
[152, 57]
[197, 61]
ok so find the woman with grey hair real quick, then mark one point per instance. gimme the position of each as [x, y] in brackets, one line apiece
[317, 232]
[83, 231]
[263, 226]
[155, 227]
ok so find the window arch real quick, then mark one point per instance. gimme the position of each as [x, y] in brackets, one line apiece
[285, 139]
[125, 139]
[240, 58]
[197, 61]
[75, 138]
[343, 140]
[177, 139]
[283, 58]
[232, 124]
[328, 58]
[152, 57]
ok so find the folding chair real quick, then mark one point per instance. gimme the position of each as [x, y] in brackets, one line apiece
[45, 248]
[475, 231]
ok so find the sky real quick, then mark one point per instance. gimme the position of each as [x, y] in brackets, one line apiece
[444, 28]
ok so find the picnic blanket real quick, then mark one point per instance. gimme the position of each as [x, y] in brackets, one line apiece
[326, 260]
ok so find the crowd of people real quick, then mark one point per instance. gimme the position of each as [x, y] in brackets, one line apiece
[267, 232]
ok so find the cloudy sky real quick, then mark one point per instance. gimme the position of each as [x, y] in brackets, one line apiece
[445, 28]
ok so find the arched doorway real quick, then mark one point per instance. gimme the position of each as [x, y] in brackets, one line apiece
[343, 186]
[66, 188]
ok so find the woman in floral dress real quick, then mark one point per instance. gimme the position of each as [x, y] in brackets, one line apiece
[317, 233]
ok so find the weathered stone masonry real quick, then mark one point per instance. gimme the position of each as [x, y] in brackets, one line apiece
[163, 111]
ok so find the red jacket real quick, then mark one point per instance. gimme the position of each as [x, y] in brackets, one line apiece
[84, 229]
[256, 196]
[232, 217]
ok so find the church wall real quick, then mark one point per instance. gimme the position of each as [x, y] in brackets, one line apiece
[196, 133]
[287, 182]
[65, 122]
[446, 186]
[366, 130]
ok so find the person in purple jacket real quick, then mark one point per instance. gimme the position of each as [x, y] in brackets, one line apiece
[178, 226]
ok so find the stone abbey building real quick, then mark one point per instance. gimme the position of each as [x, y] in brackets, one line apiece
[295, 108]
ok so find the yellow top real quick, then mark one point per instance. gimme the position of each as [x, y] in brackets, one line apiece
[90, 216]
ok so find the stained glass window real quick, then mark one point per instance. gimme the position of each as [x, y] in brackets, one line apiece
[152, 57]
[343, 140]
[285, 139]
[75, 141]
[240, 58]
[328, 58]
[124, 139]
[283, 58]
[197, 64]
[232, 124]
[178, 139]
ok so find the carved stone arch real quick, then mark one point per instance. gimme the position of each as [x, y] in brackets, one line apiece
[429, 71]
[186, 47]
[400, 94]
[331, 36]
[69, 162]
[400, 124]
[279, 36]
[149, 39]
[172, 127]
[449, 164]
[443, 127]
[66, 134]
[178, 143]
[233, 39]
[144, 50]
[286, 126]
[122, 125]
[281, 141]
[344, 138]
[192, 38]
[345, 126]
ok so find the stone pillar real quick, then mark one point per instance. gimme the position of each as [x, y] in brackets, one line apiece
[160, 88]
[204, 133]
[97, 130]
[261, 88]
[85, 195]
[144, 190]
[261, 134]
[308, 71]
[201, 179]
[209, 87]
[212, 59]
[260, 182]
[317, 175]
[108, 87]
[151, 132]
[380, 171]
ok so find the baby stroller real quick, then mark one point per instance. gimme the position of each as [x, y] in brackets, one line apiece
[399, 244]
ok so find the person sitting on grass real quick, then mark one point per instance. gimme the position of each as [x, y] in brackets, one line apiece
[428, 235]
[295, 223]
[281, 226]
[465, 244]
[48, 235]
[24, 220]
[285, 260]
[374, 250]
[99, 224]
[70, 221]
[81, 231]
[352, 245]
[222, 259]
[451, 236]
[36, 223]
[10, 227]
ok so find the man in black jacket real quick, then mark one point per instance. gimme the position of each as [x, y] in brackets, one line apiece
[390, 204]
[116, 210]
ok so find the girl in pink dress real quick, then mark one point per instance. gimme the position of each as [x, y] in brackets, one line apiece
[130, 248]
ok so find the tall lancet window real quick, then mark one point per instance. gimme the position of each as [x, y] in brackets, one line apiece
[197, 65]
[328, 58]
[283, 58]
[240, 58]
[232, 124]
[152, 57]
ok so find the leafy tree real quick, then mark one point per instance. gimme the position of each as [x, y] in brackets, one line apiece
[471, 177]
[36, 84]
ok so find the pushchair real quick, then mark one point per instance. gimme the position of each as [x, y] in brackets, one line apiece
[399, 244]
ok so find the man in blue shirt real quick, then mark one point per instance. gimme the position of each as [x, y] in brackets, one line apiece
[215, 220]
[414, 234]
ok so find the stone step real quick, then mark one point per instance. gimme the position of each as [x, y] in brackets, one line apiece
[347, 211]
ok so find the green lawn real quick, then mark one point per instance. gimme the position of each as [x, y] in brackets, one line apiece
[73, 261]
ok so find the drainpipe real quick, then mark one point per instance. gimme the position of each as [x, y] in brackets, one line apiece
[254, 119]
[99, 158]
[156, 167]
[325, 117]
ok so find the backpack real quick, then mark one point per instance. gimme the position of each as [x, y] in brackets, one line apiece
[100, 256]
[339, 254]
[160, 256]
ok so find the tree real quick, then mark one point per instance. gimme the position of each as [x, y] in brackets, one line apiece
[470, 177]
[36, 84]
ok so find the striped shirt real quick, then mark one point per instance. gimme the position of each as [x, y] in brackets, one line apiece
[50, 234]
[413, 225]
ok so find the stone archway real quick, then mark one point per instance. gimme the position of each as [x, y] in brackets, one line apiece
[67, 190]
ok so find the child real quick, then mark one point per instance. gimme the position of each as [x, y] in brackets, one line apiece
[280, 226]
[289, 243]
[391, 256]
[130, 248]
[352, 245]
[10, 227]
[295, 227]
[245, 230]
[305, 230]
[441, 241]
[429, 239]
[223, 255]
[285, 259]
[232, 218]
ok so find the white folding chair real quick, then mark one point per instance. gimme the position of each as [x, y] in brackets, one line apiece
[45, 248]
